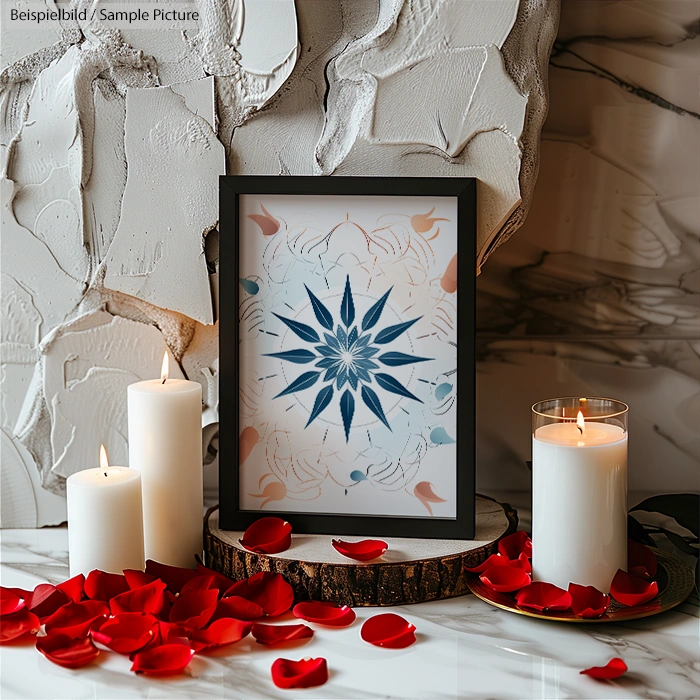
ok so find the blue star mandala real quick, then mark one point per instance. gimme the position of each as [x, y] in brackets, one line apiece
[347, 357]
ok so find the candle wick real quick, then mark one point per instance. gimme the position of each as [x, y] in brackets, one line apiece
[580, 429]
[164, 378]
[105, 473]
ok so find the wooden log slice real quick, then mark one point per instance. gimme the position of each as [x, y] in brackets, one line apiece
[411, 571]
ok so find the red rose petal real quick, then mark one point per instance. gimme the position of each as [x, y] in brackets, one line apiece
[18, 624]
[45, 600]
[364, 550]
[220, 633]
[268, 536]
[147, 599]
[493, 560]
[505, 578]
[174, 577]
[388, 630]
[10, 601]
[588, 601]
[220, 582]
[613, 669]
[306, 673]
[237, 607]
[168, 633]
[75, 619]
[67, 651]
[136, 578]
[165, 660]
[269, 635]
[73, 588]
[328, 614]
[193, 609]
[198, 583]
[125, 632]
[641, 561]
[269, 590]
[523, 562]
[632, 590]
[512, 546]
[99, 585]
[541, 596]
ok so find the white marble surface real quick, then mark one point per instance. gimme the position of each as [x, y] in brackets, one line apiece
[465, 649]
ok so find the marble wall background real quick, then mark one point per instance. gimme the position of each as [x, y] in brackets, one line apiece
[599, 291]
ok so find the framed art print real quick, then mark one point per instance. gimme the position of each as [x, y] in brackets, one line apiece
[347, 354]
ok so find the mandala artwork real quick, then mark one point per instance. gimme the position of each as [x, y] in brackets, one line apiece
[348, 355]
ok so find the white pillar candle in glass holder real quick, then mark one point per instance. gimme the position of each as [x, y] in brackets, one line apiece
[105, 526]
[165, 446]
[579, 491]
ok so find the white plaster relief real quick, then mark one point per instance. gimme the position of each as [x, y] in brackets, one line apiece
[174, 160]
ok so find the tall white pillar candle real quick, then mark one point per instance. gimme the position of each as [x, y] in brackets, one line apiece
[105, 528]
[165, 446]
[579, 494]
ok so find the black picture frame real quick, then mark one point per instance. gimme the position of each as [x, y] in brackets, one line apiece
[231, 516]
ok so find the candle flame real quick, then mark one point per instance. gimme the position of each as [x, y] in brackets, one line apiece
[165, 367]
[104, 462]
[581, 423]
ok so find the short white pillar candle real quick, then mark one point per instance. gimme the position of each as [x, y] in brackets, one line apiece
[579, 491]
[165, 446]
[105, 526]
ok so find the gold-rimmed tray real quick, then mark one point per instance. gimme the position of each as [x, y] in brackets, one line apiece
[675, 580]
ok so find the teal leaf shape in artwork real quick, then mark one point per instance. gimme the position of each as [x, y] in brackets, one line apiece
[347, 306]
[323, 315]
[347, 359]
[249, 286]
[357, 475]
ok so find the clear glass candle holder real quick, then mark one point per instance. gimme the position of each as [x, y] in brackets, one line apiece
[579, 491]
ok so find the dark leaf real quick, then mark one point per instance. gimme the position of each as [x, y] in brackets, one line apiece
[323, 398]
[298, 357]
[305, 332]
[342, 337]
[322, 313]
[367, 352]
[362, 341]
[684, 508]
[331, 373]
[326, 351]
[371, 318]
[327, 362]
[342, 377]
[353, 379]
[393, 332]
[397, 359]
[387, 382]
[347, 410]
[374, 404]
[353, 336]
[366, 364]
[363, 374]
[347, 307]
[636, 531]
[302, 382]
[333, 342]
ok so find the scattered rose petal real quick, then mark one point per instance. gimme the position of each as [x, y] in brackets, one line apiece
[364, 550]
[632, 590]
[75, 619]
[100, 585]
[388, 630]
[148, 599]
[17, 625]
[67, 651]
[269, 590]
[220, 633]
[45, 600]
[328, 614]
[512, 546]
[193, 609]
[10, 601]
[588, 601]
[541, 596]
[613, 669]
[168, 633]
[165, 660]
[641, 561]
[136, 578]
[306, 673]
[198, 583]
[221, 583]
[270, 635]
[493, 560]
[237, 607]
[505, 578]
[73, 588]
[268, 536]
[125, 632]
[174, 577]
